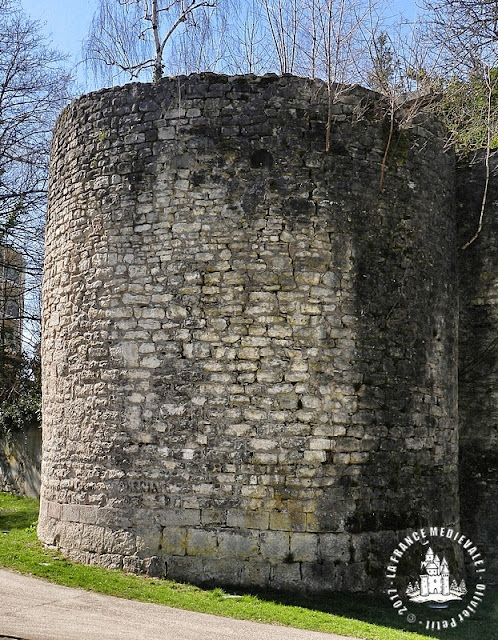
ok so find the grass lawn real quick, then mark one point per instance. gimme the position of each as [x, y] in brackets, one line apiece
[363, 617]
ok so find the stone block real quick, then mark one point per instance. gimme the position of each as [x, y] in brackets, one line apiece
[254, 491]
[120, 542]
[81, 557]
[354, 578]
[269, 375]
[54, 510]
[166, 133]
[92, 538]
[265, 458]
[261, 444]
[248, 353]
[327, 518]
[110, 561]
[319, 444]
[255, 574]
[132, 564]
[275, 546]
[286, 576]
[315, 456]
[225, 571]
[238, 545]
[201, 543]
[68, 536]
[323, 576]
[154, 566]
[304, 547]
[174, 541]
[70, 512]
[287, 521]
[185, 569]
[179, 517]
[334, 547]
[248, 519]
[280, 331]
[211, 517]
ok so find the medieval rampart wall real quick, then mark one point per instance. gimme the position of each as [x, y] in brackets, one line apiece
[478, 358]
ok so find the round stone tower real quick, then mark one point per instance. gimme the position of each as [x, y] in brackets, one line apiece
[249, 367]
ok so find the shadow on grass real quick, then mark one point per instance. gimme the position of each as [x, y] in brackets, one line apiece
[378, 610]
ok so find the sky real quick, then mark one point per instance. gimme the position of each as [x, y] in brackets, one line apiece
[66, 23]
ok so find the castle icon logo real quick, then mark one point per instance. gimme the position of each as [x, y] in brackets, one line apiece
[434, 582]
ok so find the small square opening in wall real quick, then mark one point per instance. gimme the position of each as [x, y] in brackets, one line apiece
[261, 158]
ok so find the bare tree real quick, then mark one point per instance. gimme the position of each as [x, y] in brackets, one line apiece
[134, 36]
[201, 47]
[33, 88]
[335, 28]
[470, 112]
[406, 72]
[336, 43]
[467, 33]
[316, 38]
[284, 21]
[467, 29]
[247, 48]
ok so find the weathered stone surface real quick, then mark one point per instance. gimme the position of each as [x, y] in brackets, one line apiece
[20, 461]
[249, 352]
[478, 360]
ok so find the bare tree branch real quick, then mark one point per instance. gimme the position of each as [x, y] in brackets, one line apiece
[33, 88]
[133, 36]
[467, 32]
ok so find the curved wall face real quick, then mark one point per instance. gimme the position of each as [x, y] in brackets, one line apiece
[249, 352]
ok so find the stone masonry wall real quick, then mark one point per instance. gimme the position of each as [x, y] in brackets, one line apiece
[478, 355]
[249, 351]
[20, 460]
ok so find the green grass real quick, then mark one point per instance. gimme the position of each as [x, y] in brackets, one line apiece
[350, 615]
